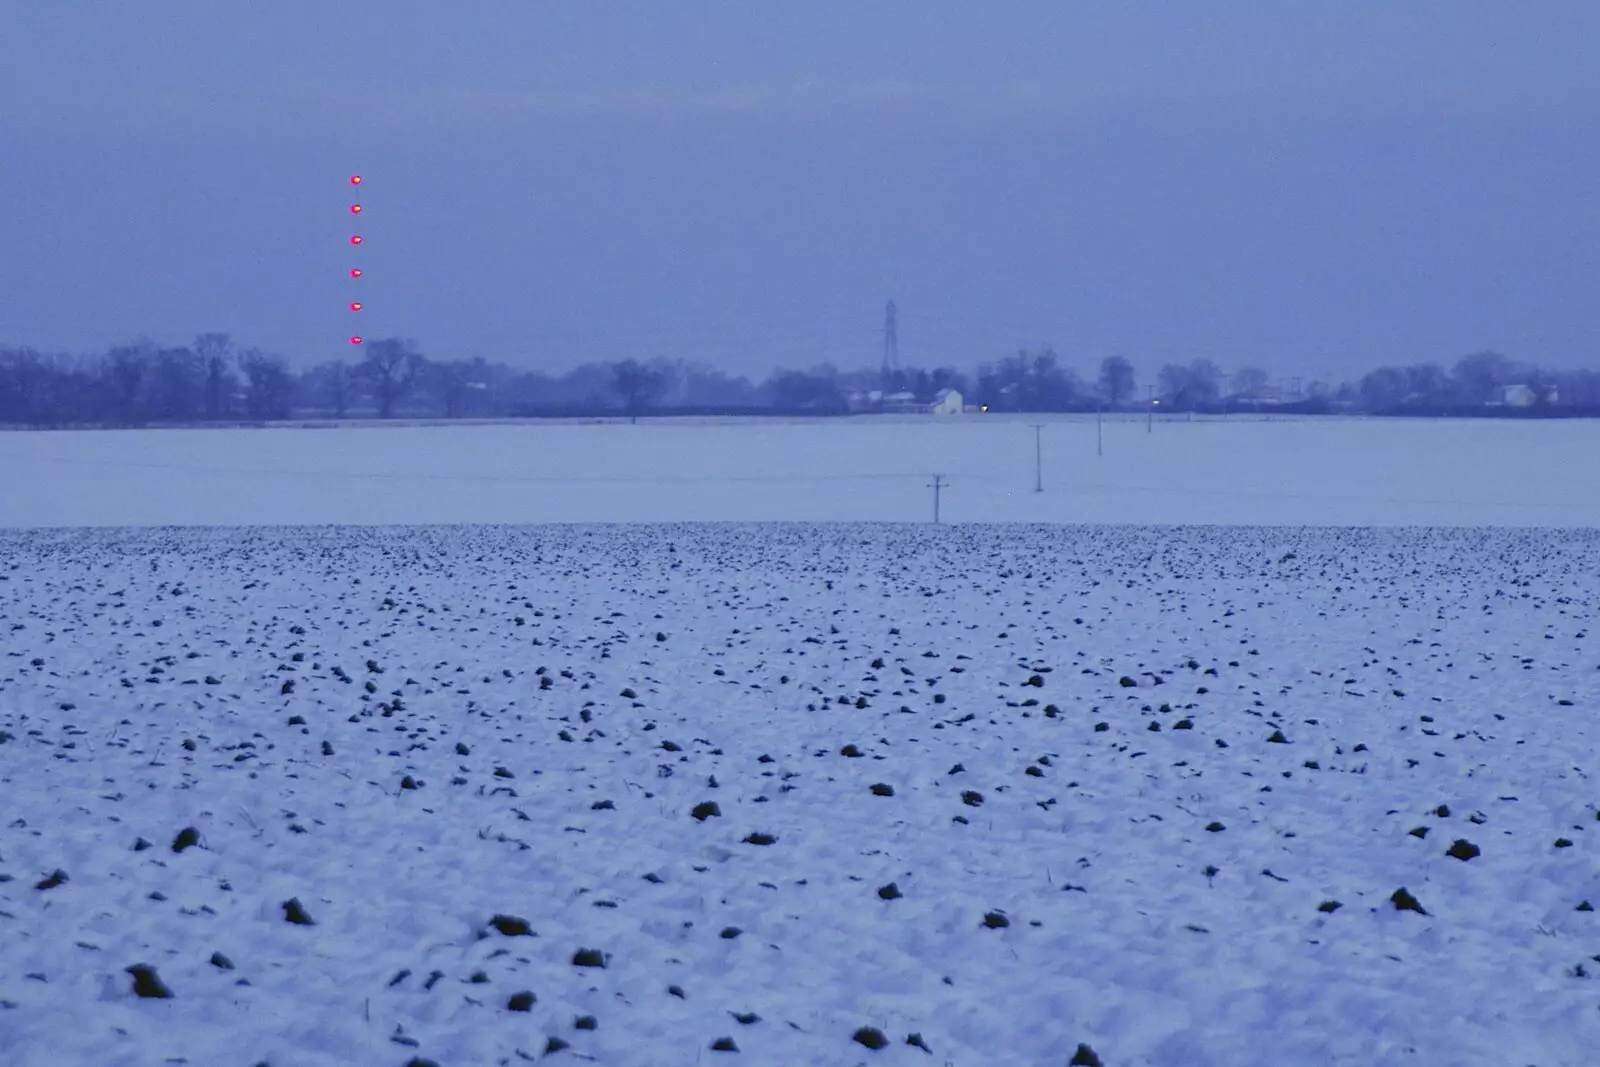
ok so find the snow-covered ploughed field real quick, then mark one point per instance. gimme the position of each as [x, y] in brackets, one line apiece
[664, 795]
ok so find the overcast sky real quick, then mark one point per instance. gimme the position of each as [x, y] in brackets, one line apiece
[1312, 187]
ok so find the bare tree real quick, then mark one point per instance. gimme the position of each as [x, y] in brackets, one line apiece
[1028, 381]
[1248, 380]
[708, 386]
[451, 385]
[268, 384]
[1116, 379]
[125, 374]
[1480, 376]
[331, 385]
[212, 350]
[1428, 383]
[1384, 389]
[177, 384]
[391, 369]
[1190, 386]
[1053, 387]
[817, 390]
[1205, 382]
[638, 385]
[1580, 388]
[23, 379]
[1005, 385]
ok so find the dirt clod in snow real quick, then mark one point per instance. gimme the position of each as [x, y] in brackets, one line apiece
[295, 912]
[147, 983]
[1084, 1057]
[871, 1037]
[1404, 901]
[511, 926]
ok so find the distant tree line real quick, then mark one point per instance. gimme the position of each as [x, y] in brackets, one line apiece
[1476, 381]
[213, 381]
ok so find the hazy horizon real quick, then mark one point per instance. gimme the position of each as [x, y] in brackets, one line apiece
[1317, 191]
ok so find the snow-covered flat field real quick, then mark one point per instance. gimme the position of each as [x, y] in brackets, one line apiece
[679, 794]
[1340, 472]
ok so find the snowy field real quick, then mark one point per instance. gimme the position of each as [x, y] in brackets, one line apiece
[691, 794]
[1336, 472]
[363, 781]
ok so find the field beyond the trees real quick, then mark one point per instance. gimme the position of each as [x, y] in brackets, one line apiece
[1254, 471]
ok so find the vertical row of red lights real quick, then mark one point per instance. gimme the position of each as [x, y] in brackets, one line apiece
[355, 272]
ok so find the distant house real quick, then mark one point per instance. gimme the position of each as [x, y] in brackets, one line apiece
[1262, 394]
[1526, 396]
[865, 400]
[902, 403]
[1519, 396]
[947, 402]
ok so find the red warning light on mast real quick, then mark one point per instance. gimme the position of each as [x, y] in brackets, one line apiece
[355, 272]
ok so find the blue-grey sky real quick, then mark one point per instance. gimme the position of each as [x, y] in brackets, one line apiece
[1311, 187]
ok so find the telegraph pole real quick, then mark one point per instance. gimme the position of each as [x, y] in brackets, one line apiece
[938, 487]
[1150, 410]
[1038, 458]
[1099, 437]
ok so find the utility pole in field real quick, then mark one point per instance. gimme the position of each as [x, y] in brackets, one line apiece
[1038, 457]
[1099, 437]
[938, 487]
[1150, 413]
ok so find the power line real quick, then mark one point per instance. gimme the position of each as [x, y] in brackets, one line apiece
[536, 479]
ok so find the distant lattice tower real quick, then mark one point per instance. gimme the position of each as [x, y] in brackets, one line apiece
[891, 341]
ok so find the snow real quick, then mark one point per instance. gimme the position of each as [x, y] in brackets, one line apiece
[143, 690]
[1116, 775]
[1340, 472]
